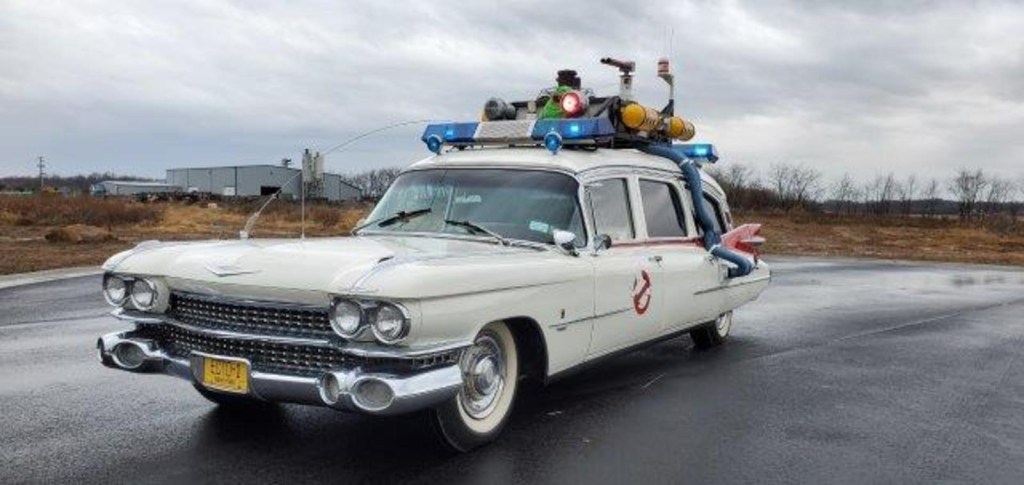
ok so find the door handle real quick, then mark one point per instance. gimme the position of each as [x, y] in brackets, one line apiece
[655, 259]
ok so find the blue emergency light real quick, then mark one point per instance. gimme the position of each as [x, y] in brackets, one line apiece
[701, 152]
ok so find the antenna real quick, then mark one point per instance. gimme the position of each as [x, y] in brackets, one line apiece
[665, 73]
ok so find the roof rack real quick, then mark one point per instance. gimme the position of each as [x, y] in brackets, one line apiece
[568, 116]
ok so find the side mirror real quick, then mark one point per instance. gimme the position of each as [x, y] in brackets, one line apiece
[602, 241]
[564, 239]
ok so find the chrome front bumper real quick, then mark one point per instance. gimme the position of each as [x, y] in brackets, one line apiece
[343, 389]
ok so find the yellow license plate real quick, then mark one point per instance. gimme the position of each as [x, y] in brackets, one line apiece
[226, 375]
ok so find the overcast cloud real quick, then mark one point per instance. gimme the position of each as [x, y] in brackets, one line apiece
[137, 87]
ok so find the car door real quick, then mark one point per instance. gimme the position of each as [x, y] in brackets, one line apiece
[627, 278]
[691, 275]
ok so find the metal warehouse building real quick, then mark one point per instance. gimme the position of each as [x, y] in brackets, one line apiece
[256, 180]
[131, 187]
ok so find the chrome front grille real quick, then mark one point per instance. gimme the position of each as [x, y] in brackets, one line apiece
[259, 318]
[293, 359]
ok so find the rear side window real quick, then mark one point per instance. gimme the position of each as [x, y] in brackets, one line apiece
[662, 210]
[609, 205]
[716, 213]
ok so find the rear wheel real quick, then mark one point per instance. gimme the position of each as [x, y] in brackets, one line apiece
[714, 333]
[490, 372]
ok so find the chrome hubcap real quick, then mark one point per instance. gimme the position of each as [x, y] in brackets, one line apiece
[483, 372]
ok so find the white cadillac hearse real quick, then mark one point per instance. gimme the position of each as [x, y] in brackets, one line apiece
[554, 233]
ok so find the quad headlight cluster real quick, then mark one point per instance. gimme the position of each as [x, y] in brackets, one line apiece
[143, 293]
[351, 319]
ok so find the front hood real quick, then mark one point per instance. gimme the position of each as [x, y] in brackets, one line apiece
[338, 265]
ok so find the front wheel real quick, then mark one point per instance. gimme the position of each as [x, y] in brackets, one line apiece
[714, 333]
[490, 372]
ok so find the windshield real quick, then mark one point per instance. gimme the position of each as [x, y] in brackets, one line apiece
[516, 204]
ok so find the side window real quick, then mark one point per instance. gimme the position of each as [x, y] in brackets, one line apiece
[609, 206]
[716, 213]
[663, 211]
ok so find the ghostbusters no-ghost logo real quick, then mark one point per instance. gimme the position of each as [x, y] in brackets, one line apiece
[642, 292]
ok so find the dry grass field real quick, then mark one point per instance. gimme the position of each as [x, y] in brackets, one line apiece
[26, 221]
[888, 237]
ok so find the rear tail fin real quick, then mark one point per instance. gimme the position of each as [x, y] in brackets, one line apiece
[745, 238]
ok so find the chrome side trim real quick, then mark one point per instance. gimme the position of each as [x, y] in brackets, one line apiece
[357, 349]
[733, 285]
[562, 325]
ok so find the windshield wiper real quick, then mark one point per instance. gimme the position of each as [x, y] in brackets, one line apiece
[400, 216]
[477, 228]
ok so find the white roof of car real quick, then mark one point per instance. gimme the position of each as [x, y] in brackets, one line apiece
[567, 160]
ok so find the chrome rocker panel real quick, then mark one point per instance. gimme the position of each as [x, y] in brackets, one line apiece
[412, 392]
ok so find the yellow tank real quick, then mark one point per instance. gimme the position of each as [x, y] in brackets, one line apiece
[678, 128]
[638, 117]
[641, 118]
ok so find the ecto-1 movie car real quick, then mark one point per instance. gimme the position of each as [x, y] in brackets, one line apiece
[553, 233]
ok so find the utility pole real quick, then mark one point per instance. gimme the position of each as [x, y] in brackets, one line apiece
[42, 165]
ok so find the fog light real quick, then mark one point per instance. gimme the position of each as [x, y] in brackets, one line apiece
[373, 394]
[129, 356]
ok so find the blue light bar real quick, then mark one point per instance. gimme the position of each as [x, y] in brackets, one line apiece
[568, 130]
[574, 129]
[451, 132]
[701, 152]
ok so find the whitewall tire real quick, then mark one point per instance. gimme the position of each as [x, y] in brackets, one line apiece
[490, 372]
[714, 333]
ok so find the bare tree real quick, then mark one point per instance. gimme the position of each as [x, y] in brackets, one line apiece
[1017, 199]
[909, 190]
[931, 197]
[738, 181]
[999, 192]
[845, 193]
[967, 187]
[374, 182]
[887, 192]
[795, 185]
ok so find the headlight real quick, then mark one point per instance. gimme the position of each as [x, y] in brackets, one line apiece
[144, 294]
[346, 318]
[115, 289]
[390, 324]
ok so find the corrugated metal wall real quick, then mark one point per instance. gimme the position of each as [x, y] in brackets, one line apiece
[247, 181]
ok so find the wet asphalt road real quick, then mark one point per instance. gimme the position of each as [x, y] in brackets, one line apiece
[843, 372]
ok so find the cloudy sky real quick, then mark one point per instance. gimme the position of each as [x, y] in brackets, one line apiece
[868, 87]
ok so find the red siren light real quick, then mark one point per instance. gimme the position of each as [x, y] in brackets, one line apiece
[573, 104]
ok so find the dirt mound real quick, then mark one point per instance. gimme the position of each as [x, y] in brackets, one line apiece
[79, 233]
